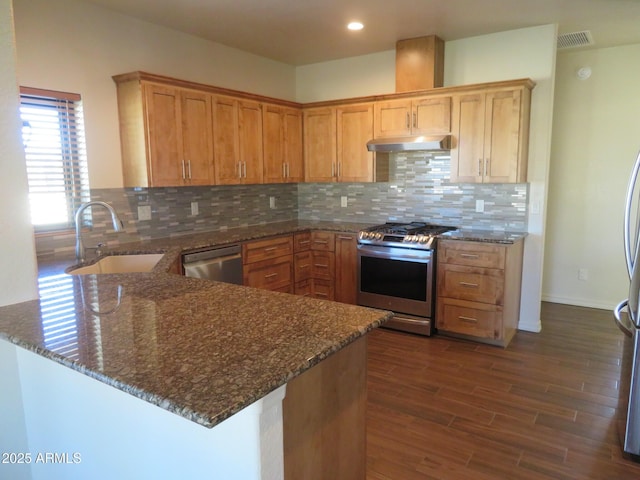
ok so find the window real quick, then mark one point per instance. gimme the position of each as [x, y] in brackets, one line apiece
[53, 138]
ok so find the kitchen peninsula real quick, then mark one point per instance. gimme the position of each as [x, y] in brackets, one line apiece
[218, 359]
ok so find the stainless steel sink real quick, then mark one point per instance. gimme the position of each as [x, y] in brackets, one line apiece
[120, 264]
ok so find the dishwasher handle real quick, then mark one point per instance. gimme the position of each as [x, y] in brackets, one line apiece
[232, 251]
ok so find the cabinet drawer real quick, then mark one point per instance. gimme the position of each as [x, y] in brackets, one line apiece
[301, 241]
[474, 284]
[469, 318]
[304, 288]
[265, 249]
[323, 265]
[323, 289]
[324, 241]
[473, 254]
[269, 274]
[302, 265]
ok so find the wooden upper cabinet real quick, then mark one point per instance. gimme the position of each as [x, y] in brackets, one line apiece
[165, 135]
[320, 151]
[225, 140]
[282, 143]
[250, 137]
[197, 137]
[419, 116]
[491, 136]
[355, 129]
[237, 127]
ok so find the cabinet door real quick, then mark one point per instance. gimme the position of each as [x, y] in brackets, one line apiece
[282, 142]
[392, 118]
[502, 136]
[293, 145]
[467, 154]
[355, 129]
[225, 140]
[164, 142]
[197, 135]
[431, 116]
[320, 144]
[346, 269]
[273, 141]
[250, 140]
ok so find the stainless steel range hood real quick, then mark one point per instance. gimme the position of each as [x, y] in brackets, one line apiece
[412, 143]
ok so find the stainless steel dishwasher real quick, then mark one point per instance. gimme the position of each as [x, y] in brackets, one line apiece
[222, 264]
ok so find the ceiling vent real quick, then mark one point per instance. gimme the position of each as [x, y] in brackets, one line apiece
[575, 39]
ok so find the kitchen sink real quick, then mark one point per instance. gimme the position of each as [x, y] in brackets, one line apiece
[120, 264]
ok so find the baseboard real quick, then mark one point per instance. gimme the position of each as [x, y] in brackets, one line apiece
[580, 302]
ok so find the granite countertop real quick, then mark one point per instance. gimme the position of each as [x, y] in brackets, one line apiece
[201, 349]
[485, 236]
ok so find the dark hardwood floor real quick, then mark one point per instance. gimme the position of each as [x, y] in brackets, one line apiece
[543, 408]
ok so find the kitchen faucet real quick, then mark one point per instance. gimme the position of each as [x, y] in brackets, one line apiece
[117, 225]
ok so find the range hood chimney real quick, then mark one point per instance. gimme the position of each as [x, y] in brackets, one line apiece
[419, 66]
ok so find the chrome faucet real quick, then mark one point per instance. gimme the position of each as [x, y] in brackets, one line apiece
[117, 225]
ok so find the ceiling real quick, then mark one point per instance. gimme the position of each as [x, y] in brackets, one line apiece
[300, 32]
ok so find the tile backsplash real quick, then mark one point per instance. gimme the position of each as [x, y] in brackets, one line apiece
[419, 189]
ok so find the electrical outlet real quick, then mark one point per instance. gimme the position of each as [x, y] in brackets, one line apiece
[272, 202]
[344, 201]
[194, 208]
[583, 274]
[144, 212]
[479, 206]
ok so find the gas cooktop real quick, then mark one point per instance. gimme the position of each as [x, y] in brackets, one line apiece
[409, 235]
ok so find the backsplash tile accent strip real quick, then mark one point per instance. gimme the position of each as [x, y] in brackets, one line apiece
[219, 208]
[420, 189]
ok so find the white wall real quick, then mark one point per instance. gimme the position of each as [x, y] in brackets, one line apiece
[76, 46]
[17, 251]
[528, 52]
[596, 137]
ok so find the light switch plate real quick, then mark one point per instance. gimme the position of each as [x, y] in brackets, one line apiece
[479, 206]
[272, 202]
[194, 208]
[344, 201]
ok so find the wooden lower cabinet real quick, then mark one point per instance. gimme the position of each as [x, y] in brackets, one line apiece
[268, 264]
[346, 269]
[479, 290]
[316, 264]
[324, 418]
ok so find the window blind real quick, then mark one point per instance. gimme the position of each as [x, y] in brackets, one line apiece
[54, 142]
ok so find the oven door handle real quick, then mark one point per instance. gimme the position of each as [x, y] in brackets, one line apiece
[391, 253]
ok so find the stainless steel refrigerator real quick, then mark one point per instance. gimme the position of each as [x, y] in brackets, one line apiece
[627, 316]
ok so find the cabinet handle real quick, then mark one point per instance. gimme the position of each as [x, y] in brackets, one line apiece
[321, 242]
[239, 169]
[270, 249]
[271, 275]
[183, 175]
[304, 242]
[340, 237]
[479, 167]
[288, 170]
[306, 265]
[415, 120]
[284, 170]
[189, 168]
[339, 165]
[321, 294]
[408, 124]
[320, 265]
[244, 169]
[486, 167]
[468, 255]
[469, 285]
[468, 319]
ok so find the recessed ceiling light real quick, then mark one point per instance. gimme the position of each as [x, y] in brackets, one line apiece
[355, 26]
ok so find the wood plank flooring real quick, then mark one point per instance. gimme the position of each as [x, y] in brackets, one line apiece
[543, 408]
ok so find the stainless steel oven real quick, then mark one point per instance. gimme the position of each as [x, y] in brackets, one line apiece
[396, 271]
